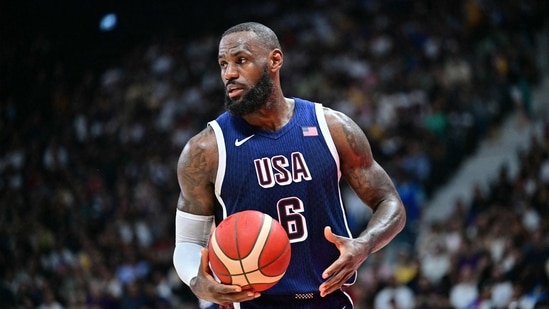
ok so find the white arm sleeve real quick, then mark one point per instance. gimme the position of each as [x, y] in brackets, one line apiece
[191, 234]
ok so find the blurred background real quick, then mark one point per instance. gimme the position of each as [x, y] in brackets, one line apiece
[97, 99]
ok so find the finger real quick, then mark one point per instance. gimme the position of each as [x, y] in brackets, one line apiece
[204, 261]
[240, 297]
[332, 284]
[327, 289]
[324, 290]
[331, 237]
[328, 234]
[333, 272]
[327, 273]
[222, 288]
[234, 293]
[226, 288]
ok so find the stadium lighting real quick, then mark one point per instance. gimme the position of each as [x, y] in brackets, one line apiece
[108, 22]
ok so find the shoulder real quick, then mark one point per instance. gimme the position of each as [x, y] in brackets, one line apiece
[196, 172]
[200, 151]
[340, 123]
[203, 140]
[349, 138]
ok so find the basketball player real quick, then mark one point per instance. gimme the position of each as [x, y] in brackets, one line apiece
[285, 157]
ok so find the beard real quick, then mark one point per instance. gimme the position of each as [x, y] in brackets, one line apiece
[254, 99]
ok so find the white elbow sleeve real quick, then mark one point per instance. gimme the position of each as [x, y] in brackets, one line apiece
[191, 234]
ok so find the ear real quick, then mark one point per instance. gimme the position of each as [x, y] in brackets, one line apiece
[276, 59]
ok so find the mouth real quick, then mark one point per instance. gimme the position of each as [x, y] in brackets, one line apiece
[234, 90]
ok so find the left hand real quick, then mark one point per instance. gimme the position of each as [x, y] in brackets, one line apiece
[352, 253]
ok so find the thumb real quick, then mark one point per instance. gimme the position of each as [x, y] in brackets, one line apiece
[329, 235]
[204, 260]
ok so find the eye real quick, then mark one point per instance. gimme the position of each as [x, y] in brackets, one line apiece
[222, 64]
[242, 60]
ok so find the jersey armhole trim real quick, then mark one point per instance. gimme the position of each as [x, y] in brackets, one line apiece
[222, 162]
[321, 118]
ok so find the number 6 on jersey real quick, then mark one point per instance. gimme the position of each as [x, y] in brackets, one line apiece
[289, 215]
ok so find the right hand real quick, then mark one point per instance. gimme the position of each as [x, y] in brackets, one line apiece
[205, 287]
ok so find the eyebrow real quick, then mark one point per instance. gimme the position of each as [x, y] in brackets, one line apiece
[239, 50]
[233, 54]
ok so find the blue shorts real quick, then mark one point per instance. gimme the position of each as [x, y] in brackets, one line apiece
[335, 300]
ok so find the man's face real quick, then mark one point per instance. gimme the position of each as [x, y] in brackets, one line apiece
[253, 100]
[244, 72]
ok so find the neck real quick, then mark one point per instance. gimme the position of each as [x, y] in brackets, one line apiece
[274, 115]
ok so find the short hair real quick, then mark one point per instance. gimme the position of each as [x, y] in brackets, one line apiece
[265, 34]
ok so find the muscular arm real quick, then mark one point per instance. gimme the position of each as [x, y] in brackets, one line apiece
[196, 170]
[369, 180]
[194, 216]
[375, 188]
[196, 174]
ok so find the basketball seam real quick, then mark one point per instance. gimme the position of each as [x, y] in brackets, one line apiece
[282, 253]
[251, 271]
[240, 258]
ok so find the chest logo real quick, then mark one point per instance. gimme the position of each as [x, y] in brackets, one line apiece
[281, 170]
[238, 142]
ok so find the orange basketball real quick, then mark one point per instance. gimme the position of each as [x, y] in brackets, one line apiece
[249, 249]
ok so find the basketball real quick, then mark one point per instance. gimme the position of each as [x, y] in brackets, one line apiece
[249, 249]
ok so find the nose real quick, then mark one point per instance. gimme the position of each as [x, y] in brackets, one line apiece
[230, 72]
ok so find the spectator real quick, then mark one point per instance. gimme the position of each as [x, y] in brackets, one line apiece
[394, 295]
[465, 292]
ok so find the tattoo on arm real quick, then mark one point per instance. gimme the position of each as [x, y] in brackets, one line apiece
[193, 169]
[195, 174]
[369, 180]
[364, 174]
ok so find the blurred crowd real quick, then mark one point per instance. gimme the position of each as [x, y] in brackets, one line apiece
[89, 149]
